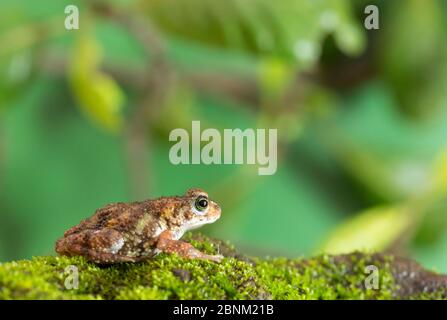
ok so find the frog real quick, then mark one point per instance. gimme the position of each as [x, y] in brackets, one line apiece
[140, 230]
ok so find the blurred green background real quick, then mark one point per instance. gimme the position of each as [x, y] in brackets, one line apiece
[361, 115]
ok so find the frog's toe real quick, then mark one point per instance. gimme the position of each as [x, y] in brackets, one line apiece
[216, 258]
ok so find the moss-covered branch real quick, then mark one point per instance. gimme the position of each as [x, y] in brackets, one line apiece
[237, 277]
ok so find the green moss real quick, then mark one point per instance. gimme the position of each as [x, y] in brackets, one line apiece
[171, 277]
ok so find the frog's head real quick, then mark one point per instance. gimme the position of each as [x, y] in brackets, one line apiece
[201, 209]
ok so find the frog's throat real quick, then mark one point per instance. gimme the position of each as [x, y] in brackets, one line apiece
[198, 224]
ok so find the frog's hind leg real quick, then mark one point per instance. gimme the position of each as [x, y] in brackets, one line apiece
[99, 246]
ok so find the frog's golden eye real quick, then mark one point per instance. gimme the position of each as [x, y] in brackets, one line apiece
[201, 204]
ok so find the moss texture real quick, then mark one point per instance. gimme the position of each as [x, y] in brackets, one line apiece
[237, 277]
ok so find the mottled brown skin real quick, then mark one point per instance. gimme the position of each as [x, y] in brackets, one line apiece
[131, 232]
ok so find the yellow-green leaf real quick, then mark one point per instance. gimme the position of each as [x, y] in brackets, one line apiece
[440, 173]
[98, 95]
[373, 230]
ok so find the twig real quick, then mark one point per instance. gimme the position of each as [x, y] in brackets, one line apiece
[242, 89]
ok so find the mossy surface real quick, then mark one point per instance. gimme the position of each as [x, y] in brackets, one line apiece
[172, 277]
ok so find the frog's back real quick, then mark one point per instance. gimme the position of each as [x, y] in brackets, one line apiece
[118, 216]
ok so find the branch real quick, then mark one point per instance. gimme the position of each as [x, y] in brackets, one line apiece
[236, 277]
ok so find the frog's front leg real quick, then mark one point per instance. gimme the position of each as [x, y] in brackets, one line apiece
[167, 243]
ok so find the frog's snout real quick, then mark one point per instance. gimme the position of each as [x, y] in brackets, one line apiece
[215, 211]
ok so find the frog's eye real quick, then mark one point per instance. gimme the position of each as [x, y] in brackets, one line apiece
[201, 204]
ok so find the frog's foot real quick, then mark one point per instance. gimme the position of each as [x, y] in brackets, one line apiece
[216, 257]
[166, 243]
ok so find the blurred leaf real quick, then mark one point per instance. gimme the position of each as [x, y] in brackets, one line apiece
[414, 54]
[434, 223]
[18, 38]
[15, 72]
[350, 39]
[19, 34]
[177, 110]
[18, 31]
[289, 29]
[440, 173]
[430, 242]
[389, 155]
[99, 96]
[373, 230]
[378, 228]
[274, 76]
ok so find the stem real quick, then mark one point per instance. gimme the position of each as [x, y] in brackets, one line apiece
[155, 83]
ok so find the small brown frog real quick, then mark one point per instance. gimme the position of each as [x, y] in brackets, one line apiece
[130, 232]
